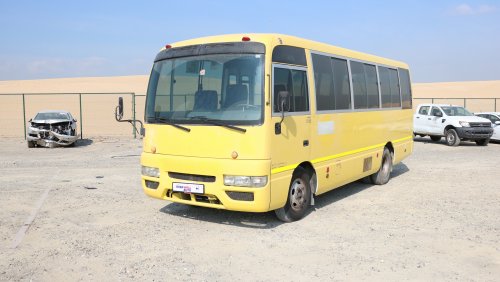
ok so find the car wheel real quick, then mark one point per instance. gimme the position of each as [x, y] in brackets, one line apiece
[31, 144]
[299, 196]
[483, 142]
[435, 138]
[384, 173]
[452, 138]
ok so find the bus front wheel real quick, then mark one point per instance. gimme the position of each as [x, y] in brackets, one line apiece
[299, 196]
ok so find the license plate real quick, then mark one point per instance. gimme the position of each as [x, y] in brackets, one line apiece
[188, 188]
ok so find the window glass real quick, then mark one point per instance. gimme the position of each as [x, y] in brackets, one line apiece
[223, 87]
[494, 118]
[389, 87]
[359, 85]
[372, 86]
[323, 78]
[424, 110]
[295, 82]
[341, 85]
[435, 110]
[385, 89]
[404, 78]
[395, 95]
[289, 55]
[364, 84]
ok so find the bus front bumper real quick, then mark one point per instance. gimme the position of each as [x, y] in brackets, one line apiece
[207, 175]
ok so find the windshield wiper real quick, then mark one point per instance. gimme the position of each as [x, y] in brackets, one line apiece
[217, 122]
[166, 121]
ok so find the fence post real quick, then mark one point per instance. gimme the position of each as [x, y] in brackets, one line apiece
[465, 103]
[133, 115]
[495, 105]
[24, 117]
[81, 116]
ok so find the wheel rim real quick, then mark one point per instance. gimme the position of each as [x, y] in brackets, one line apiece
[298, 195]
[451, 138]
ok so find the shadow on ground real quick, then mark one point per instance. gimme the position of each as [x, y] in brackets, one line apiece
[268, 220]
[83, 142]
[427, 140]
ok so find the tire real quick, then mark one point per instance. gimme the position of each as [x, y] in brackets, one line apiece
[452, 138]
[483, 142]
[31, 144]
[382, 176]
[435, 138]
[299, 197]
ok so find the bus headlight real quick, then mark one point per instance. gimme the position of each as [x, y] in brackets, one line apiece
[245, 181]
[150, 171]
[464, 123]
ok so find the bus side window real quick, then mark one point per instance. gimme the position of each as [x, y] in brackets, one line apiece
[295, 82]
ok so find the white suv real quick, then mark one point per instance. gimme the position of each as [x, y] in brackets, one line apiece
[453, 122]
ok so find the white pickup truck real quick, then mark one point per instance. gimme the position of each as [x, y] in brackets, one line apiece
[455, 123]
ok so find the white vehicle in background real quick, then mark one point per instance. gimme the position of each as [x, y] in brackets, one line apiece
[454, 123]
[494, 117]
[51, 129]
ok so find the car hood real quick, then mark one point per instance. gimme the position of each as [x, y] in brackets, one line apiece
[50, 121]
[469, 118]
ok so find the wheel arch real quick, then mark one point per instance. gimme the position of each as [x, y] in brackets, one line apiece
[448, 127]
[307, 166]
[390, 146]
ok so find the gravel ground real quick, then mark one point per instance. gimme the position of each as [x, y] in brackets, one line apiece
[437, 219]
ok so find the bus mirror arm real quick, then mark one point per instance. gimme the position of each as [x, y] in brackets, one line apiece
[283, 96]
[119, 116]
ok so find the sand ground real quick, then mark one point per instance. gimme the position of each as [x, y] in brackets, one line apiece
[436, 220]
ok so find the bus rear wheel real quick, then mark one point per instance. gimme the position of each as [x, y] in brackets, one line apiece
[384, 173]
[299, 196]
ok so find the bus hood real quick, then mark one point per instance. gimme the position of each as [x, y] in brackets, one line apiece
[207, 141]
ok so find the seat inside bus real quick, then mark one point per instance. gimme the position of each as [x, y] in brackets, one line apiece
[236, 94]
[205, 100]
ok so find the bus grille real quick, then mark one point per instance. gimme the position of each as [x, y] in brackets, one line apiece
[191, 177]
[240, 196]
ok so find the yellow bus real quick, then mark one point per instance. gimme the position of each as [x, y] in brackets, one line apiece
[264, 122]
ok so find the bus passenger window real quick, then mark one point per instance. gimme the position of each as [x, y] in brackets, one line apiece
[295, 82]
[389, 86]
[404, 78]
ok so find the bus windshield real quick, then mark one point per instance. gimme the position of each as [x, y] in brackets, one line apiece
[223, 89]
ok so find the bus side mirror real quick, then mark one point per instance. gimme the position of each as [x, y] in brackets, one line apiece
[283, 99]
[119, 109]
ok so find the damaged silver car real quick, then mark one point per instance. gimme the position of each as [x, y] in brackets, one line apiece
[52, 128]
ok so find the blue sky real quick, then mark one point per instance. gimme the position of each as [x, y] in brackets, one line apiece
[441, 40]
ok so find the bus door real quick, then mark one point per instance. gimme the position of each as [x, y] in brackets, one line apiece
[290, 141]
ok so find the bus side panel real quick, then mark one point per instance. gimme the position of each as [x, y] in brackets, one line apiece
[335, 173]
[280, 183]
[402, 150]
[344, 142]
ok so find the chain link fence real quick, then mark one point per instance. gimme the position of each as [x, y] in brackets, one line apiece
[95, 112]
[476, 105]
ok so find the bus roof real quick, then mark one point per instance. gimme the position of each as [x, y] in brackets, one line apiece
[272, 40]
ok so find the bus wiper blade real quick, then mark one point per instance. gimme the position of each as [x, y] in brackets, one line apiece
[166, 121]
[217, 122]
